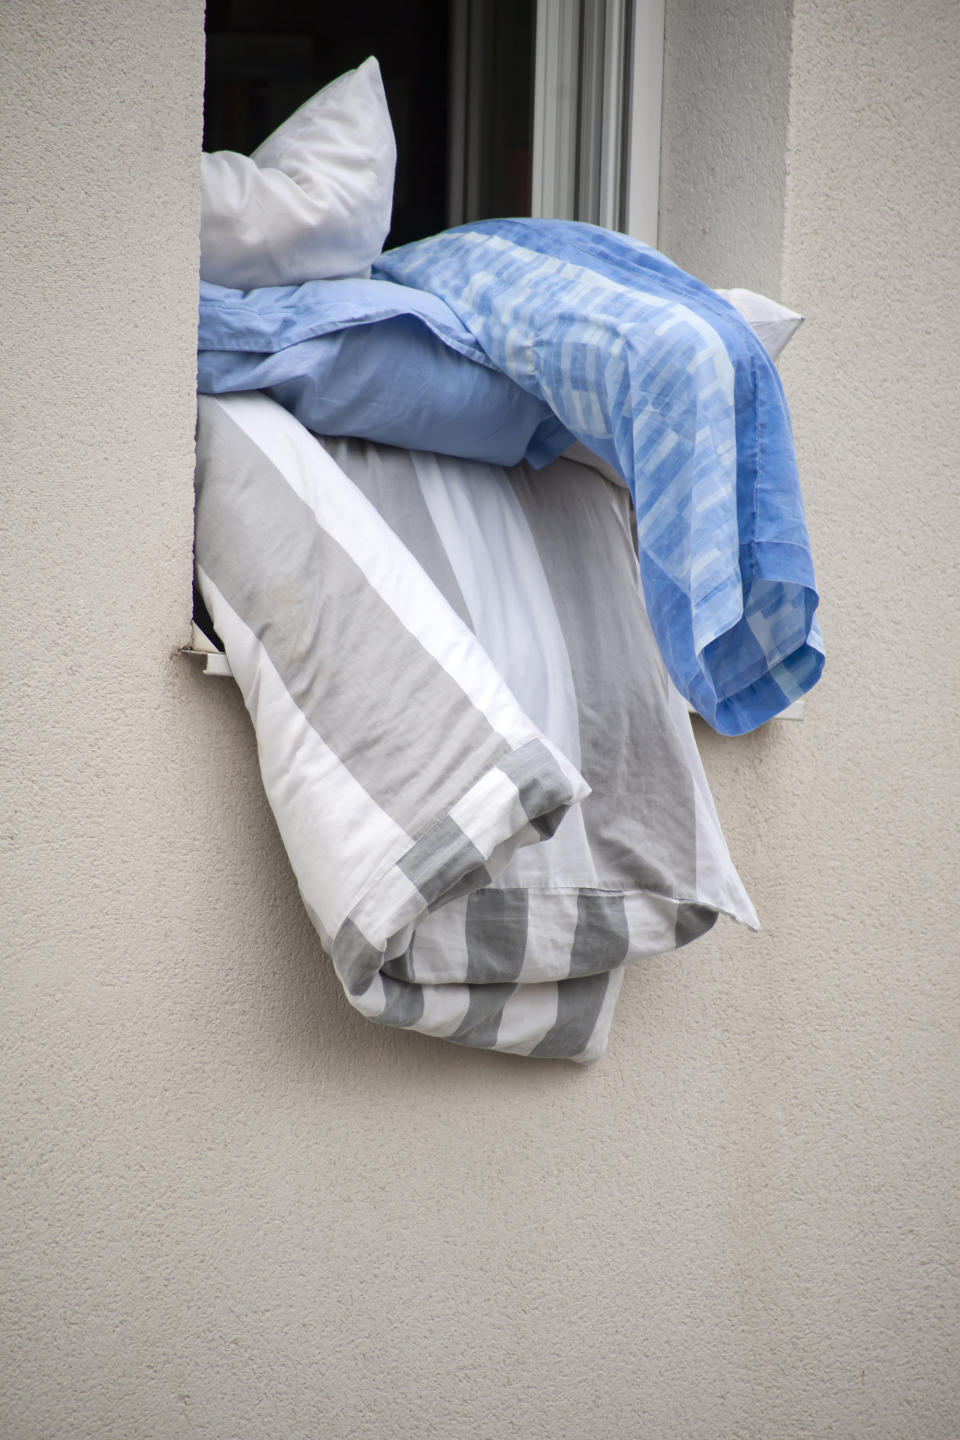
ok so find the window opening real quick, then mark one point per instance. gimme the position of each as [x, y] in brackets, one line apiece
[458, 75]
[500, 107]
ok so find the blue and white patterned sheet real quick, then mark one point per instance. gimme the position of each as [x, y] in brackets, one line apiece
[662, 379]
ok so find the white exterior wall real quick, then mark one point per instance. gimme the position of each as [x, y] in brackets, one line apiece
[726, 103]
[234, 1209]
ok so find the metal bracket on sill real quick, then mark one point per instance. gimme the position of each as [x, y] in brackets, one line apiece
[202, 648]
[216, 663]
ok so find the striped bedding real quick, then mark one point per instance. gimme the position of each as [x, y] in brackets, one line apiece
[486, 784]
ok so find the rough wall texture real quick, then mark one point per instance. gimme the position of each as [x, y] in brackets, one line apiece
[873, 213]
[726, 97]
[846, 824]
[233, 1209]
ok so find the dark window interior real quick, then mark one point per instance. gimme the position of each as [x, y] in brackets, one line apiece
[264, 59]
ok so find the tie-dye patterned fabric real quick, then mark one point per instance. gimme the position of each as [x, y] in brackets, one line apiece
[663, 380]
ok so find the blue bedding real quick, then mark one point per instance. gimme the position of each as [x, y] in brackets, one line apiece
[581, 333]
[375, 360]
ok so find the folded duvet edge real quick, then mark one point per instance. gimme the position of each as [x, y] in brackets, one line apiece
[519, 800]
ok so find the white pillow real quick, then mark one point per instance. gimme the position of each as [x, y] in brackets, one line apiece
[313, 201]
[772, 324]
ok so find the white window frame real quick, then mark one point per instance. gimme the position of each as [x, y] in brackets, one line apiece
[598, 91]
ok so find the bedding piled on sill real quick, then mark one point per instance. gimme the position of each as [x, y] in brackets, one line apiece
[487, 787]
[556, 495]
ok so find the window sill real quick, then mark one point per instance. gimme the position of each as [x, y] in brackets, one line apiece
[216, 663]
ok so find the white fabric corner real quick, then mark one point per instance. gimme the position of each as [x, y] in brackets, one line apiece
[772, 323]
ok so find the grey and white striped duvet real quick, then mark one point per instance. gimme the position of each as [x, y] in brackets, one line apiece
[443, 660]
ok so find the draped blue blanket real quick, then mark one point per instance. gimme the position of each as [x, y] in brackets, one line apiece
[661, 378]
[648, 368]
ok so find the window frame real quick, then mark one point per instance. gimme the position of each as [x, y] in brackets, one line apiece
[597, 102]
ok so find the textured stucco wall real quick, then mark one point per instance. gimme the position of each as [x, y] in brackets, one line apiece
[726, 97]
[231, 1208]
[847, 824]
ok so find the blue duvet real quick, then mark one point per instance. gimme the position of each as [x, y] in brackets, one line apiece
[603, 339]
